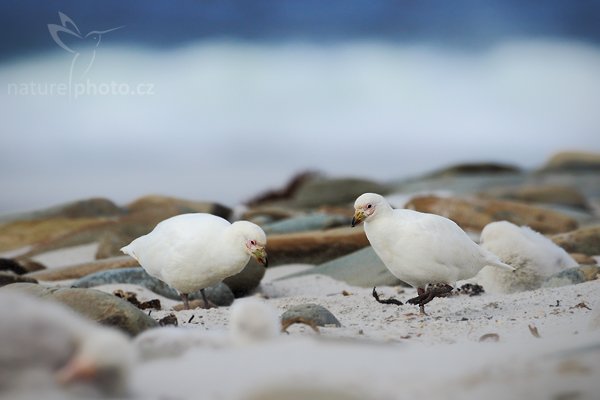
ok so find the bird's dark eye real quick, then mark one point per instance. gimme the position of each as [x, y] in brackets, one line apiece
[369, 206]
[253, 242]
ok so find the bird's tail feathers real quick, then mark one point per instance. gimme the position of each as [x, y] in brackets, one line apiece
[129, 251]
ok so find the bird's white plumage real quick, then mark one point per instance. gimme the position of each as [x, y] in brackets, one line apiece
[534, 256]
[194, 251]
[420, 248]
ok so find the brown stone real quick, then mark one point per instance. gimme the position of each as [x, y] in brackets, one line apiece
[17, 234]
[173, 206]
[475, 213]
[80, 270]
[7, 278]
[573, 161]
[98, 306]
[584, 240]
[583, 259]
[314, 247]
[548, 194]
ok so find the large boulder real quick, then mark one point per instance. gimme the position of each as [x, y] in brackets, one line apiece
[547, 194]
[475, 213]
[475, 169]
[361, 268]
[585, 240]
[88, 208]
[308, 222]
[7, 278]
[314, 247]
[96, 305]
[42, 233]
[80, 270]
[165, 205]
[20, 266]
[573, 161]
[342, 191]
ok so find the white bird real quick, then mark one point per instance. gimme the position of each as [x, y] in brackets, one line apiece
[534, 256]
[421, 249]
[190, 252]
[45, 344]
[252, 320]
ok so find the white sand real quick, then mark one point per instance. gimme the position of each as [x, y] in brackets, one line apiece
[385, 351]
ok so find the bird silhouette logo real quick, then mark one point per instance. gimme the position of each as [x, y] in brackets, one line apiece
[83, 47]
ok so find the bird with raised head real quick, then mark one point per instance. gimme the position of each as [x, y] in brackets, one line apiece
[427, 251]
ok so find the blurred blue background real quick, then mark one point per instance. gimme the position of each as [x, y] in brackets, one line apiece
[219, 100]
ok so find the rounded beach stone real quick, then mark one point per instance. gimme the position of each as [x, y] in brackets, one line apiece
[572, 276]
[312, 312]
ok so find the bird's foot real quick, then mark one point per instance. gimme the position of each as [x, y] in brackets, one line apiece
[425, 296]
[385, 301]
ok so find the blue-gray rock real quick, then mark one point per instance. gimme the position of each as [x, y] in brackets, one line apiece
[361, 268]
[312, 312]
[88, 208]
[321, 192]
[309, 222]
[244, 282]
[98, 306]
[219, 294]
[572, 276]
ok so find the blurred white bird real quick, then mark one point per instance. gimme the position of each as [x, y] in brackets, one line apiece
[421, 249]
[534, 256]
[41, 339]
[250, 321]
[190, 252]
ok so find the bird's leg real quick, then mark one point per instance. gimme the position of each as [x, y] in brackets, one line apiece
[386, 301]
[421, 295]
[425, 296]
[186, 302]
[206, 303]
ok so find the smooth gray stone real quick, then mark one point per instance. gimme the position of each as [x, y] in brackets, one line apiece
[362, 268]
[309, 222]
[572, 276]
[219, 294]
[312, 312]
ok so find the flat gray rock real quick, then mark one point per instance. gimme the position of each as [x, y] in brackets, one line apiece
[219, 294]
[362, 268]
[309, 222]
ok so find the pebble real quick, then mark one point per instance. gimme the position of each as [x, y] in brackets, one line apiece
[315, 313]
